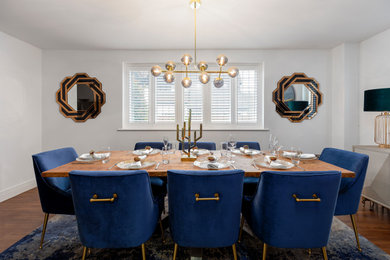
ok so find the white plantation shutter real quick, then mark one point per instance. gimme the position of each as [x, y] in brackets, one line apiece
[139, 82]
[193, 99]
[221, 103]
[247, 96]
[165, 101]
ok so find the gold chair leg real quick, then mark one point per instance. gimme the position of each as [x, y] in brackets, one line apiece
[264, 251]
[356, 232]
[143, 251]
[175, 252]
[46, 218]
[84, 253]
[309, 251]
[241, 226]
[162, 232]
[234, 251]
[324, 253]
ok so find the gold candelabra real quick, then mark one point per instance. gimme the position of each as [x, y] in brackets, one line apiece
[188, 156]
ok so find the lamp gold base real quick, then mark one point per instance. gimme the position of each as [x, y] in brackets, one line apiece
[185, 158]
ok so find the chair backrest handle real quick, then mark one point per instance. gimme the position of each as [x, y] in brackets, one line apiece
[314, 199]
[216, 197]
[95, 198]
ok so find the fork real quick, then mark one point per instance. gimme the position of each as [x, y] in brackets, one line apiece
[234, 167]
[255, 166]
[112, 166]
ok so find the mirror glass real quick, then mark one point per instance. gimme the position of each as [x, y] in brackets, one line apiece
[297, 97]
[80, 97]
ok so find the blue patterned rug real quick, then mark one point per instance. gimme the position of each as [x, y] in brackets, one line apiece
[62, 242]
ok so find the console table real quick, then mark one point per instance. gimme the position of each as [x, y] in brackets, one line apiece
[377, 184]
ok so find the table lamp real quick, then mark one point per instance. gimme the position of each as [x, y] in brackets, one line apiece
[379, 100]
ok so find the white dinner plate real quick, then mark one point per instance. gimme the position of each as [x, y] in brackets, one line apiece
[249, 152]
[146, 152]
[207, 165]
[278, 164]
[131, 165]
[304, 156]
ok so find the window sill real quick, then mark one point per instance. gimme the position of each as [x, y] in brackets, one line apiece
[204, 129]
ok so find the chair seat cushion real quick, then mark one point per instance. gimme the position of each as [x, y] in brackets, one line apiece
[157, 181]
[254, 180]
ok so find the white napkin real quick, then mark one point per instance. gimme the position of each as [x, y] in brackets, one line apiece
[245, 151]
[273, 163]
[288, 154]
[97, 156]
[213, 165]
[308, 156]
[148, 151]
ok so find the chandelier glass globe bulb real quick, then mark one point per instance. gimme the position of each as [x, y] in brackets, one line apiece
[218, 82]
[222, 60]
[186, 59]
[186, 82]
[233, 72]
[204, 77]
[169, 77]
[156, 70]
[170, 65]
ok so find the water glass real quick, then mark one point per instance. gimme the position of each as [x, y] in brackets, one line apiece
[296, 155]
[165, 141]
[106, 150]
[164, 155]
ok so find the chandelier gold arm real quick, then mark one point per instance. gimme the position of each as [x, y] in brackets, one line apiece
[196, 71]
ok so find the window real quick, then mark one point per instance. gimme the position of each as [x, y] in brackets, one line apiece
[151, 103]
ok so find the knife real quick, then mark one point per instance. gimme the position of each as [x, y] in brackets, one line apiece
[158, 164]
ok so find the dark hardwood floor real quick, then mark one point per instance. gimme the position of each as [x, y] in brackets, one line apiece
[22, 214]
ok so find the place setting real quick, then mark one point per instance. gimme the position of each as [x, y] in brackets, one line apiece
[93, 156]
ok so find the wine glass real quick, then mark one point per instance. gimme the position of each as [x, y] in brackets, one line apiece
[165, 141]
[231, 146]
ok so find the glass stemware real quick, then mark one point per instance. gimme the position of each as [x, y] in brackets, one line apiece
[231, 146]
[296, 155]
[165, 141]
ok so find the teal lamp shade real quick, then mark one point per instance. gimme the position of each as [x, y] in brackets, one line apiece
[377, 100]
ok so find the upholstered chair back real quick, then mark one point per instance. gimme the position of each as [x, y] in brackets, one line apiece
[205, 223]
[200, 145]
[127, 221]
[53, 189]
[154, 145]
[251, 145]
[278, 219]
[350, 188]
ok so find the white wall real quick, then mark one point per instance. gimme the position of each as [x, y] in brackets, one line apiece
[344, 97]
[58, 131]
[20, 113]
[374, 73]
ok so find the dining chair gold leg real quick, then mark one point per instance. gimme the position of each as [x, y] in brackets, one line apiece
[89, 251]
[324, 253]
[46, 218]
[309, 251]
[264, 251]
[84, 253]
[143, 251]
[162, 232]
[356, 232]
[234, 251]
[241, 226]
[175, 252]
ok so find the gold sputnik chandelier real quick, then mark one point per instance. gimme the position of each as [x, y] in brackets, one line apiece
[204, 75]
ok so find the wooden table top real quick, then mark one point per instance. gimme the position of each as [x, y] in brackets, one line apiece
[241, 162]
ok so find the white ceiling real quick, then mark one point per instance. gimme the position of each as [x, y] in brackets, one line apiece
[168, 24]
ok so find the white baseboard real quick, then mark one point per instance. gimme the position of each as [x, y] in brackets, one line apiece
[17, 189]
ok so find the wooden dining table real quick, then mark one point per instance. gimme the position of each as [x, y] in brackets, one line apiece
[242, 162]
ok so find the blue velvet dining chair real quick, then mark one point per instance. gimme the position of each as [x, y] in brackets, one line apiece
[350, 188]
[204, 208]
[114, 209]
[154, 145]
[54, 192]
[251, 145]
[200, 145]
[293, 209]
